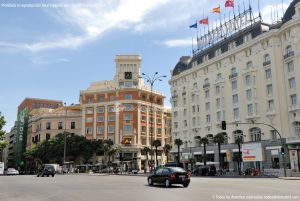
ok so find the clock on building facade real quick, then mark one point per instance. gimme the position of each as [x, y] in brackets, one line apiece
[128, 75]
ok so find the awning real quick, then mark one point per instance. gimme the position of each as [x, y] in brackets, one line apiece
[198, 153]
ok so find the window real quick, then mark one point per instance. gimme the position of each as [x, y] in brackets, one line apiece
[128, 107]
[89, 110]
[128, 84]
[100, 118]
[185, 123]
[219, 77]
[144, 129]
[270, 90]
[90, 100]
[143, 108]
[289, 49]
[184, 100]
[128, 96]
[268, 74]
[250, 109]
[175, 103]
[175, 124]
[73, 125]
[111, 98]
[175, 114]
[217, 90]
[233, 71]
[207, 93]
[194, 109]
[218, 103]
[206, 81]
[208, 119]
[234, 85]
[59, 125]
[89, 119]
[297, 128]
[127, 117]
[47, 136]
[193, 98]
[144, 118]
[249, 65]
[195, 85]
[100, 130]
[88, 130]
[48, 125]
[101, 99]
[207, 106]
[184, 112]
[111, 118]
[248, 80]
[290, 67]
[294, 99]
[236, 113]
[235, 99]
[158, 121]
[292, 83]
[249, 94]
[194, 121]
[255, 134]
[111, 109]
[273, 135]
[267, 58]
[101, 110]
[127, 128]
[111, 128]
[271, 105]
[218, 116]
[159, 131]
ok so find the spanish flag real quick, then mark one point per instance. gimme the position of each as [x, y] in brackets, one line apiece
[216, 10]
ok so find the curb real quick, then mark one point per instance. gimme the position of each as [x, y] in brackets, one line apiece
[289, 178]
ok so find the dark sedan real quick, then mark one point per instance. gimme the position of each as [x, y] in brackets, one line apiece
[169, 176]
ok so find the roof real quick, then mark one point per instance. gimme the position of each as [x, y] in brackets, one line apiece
[290, 11]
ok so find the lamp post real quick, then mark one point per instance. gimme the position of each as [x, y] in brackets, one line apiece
[151, 80]
[65, 137]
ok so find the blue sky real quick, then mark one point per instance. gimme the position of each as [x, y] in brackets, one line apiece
[55, 51]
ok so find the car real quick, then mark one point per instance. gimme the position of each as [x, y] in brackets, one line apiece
[12, 171]
[174, 164]
[46, 170]
[169, 176]
[205, 170]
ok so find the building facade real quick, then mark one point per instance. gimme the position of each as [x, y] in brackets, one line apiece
[119, 110]
[45, 123]
[18, 135]
[249, 77]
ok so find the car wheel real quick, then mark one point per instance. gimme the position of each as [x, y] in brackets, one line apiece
[167, 183]
[150, 182]
[185, 185]
[53, 175]
[42, 175]
[38, 175]
[47, 175]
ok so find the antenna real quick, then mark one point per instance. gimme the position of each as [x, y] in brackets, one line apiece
[272, 14]
[258, 3]
[277, 13]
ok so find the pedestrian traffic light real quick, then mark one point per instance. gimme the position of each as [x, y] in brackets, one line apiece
[223, 125]
[282, 151]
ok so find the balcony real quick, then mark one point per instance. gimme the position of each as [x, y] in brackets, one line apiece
[234, 75]
[206, 85]
[294, 108]
[266, 63]
[289, 54]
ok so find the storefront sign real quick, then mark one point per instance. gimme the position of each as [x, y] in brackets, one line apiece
[252, 152]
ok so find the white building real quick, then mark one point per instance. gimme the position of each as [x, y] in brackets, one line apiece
[251, 76]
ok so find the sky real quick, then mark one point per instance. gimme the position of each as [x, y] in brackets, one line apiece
[53, 49]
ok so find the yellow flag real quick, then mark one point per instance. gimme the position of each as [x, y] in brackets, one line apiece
[216, 10]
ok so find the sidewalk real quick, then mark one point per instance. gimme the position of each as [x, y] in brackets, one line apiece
[289, 178]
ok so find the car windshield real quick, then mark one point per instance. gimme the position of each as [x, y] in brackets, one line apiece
[177, 169]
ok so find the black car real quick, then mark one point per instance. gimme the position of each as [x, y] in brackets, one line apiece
[174, 164]
[205, 170]
[169, 176]
[46, 170]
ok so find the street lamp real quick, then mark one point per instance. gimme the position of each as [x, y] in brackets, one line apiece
[151, 80]
[65, 132]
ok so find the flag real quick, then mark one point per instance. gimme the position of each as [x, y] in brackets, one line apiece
[204, 21]
[216, 10]
[229, 3]
[194, 25]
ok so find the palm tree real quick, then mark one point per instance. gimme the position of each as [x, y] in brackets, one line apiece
[156, 143]
[167, 148]
[219, 139]
[178, 142]
[146, 150]
[204, 141]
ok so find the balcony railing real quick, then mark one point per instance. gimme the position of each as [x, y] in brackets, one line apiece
[289, 54]
[234, 75]
[294, 107]
[266, 63]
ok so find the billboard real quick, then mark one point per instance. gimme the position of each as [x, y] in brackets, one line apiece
[252, 152]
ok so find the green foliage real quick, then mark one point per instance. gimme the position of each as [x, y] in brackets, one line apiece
[156, 143]
[178, 142]
[3, 142]
[204, 141]
[219, 138]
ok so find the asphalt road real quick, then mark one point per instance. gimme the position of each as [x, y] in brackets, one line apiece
[135, 188]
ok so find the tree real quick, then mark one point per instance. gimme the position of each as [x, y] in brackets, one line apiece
[156, 144]
[167, 148]
[204, 141]
[3, 142]
[178, 142]
[219, 139]
[108, 145]
[146, 151]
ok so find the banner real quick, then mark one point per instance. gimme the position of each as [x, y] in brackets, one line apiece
[252, 152]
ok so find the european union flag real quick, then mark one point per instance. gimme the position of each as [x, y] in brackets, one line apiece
[194, 25]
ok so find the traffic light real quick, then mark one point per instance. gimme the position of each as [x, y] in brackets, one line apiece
[282, 151]
[223, 125]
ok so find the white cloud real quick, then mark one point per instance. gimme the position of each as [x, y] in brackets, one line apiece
[177, 42]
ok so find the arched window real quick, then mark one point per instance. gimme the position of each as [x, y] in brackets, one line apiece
[249, 65]
[206, 81]
[255, 134]
[47, 136]
[238, 134]
[219, 76]
[210, 138]
[296, 126]
[233, 71]
[289, 49]
[267, 58]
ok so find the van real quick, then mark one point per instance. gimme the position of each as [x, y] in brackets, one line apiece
[46, 170]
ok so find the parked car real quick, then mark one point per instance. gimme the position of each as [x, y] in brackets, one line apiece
[12, 171]
[46, 170]
[205, 170]
[169, 176]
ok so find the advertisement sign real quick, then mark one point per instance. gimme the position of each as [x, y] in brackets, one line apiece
[252, 152]
[294, 159]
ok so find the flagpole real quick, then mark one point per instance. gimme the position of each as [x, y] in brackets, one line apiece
[220, 21]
